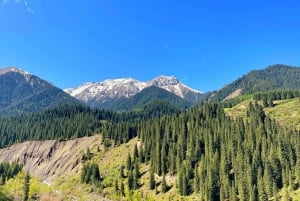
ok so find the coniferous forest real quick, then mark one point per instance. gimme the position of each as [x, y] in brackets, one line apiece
[211, 154]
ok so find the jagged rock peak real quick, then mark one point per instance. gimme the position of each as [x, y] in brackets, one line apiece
[163, 80]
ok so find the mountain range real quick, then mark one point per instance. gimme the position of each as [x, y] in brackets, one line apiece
[26, 93]
[112, 93]
[22, 92]
[171, 153]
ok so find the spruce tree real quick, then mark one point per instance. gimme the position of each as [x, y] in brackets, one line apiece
[135, 152]
[136, 175]
[122, 175]
[164, 186]
[129, 162]
[151, 180]
[130, 180]
[26, 186]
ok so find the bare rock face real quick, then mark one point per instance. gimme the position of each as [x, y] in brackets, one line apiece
[49, 159]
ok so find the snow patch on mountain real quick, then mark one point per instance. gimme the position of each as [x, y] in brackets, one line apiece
[13, 69]
[108, 89]
[172, 84]
[16, 70]
[126, 87]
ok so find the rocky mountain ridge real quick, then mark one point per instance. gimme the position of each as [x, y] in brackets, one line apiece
[95, 93]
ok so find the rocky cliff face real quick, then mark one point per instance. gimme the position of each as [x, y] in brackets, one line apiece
[49, 159]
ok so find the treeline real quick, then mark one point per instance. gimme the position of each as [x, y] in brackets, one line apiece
[8, 171]
[217, 157]
[65, 122]
[266, 97]
[276, 95]
[74, 121]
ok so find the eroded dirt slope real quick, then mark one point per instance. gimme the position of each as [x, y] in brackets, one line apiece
[49, 159]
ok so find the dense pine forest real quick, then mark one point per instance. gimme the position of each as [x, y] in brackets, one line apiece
[212, 155]
[221, 158]
[72, 121]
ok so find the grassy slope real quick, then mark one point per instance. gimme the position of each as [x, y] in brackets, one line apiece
[239, 110]
[286, 112]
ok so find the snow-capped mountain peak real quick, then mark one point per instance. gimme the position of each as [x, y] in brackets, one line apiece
[111, 89]
[16, 70]
[13, 69]
[108, 89]
[171, 84]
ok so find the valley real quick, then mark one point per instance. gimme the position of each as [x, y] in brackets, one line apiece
[159, 147]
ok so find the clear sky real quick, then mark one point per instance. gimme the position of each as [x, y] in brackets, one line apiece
[204, 43]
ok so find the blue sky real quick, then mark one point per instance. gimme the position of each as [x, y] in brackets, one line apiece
[206, 44]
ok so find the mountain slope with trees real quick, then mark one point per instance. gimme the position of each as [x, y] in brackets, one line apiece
[275, 77]
[152, 94]
[22, 92]
[206, 152]
[199, 152]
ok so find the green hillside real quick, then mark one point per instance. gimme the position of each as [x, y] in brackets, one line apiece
[28, 93]
[276, 77]
[150, 95]
[197, 153]
[243, 149]
[286, 112]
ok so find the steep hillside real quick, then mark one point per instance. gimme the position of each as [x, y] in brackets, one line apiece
[274, 77]
[49, 159]
[181, 156]
[54, 168]
[22, 92]
[151, 94]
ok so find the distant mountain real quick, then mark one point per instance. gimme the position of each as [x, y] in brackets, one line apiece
[22, 92]
[174, 85]
[109, 93]
[275, 77]
[150, 95]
